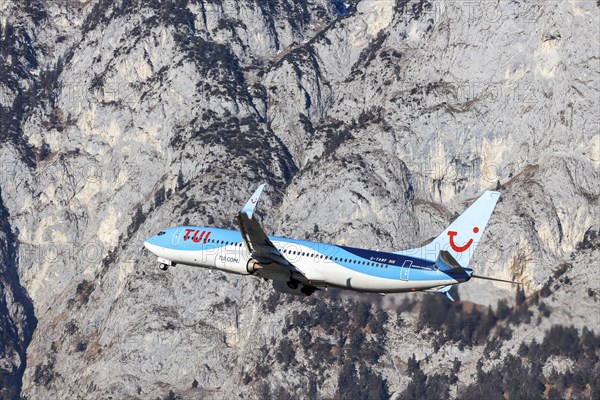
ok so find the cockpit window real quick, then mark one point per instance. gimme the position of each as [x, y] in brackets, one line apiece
[161, 233]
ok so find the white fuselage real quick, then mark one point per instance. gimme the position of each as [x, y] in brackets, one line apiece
[321, 264]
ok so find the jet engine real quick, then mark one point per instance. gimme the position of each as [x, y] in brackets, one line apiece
[252, 266]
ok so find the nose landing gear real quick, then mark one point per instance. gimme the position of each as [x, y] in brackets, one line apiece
[164, 264]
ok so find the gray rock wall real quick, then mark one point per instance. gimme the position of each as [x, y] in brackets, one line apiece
[17, 320]
[373, 127]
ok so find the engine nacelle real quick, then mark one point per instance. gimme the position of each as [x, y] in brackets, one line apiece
[300, 289]
[252, 266]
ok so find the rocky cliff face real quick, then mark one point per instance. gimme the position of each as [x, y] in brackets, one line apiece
[17, 321]
[374, 123]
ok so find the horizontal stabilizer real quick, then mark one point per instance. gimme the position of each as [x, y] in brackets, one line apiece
[444, 289]
[448, 264]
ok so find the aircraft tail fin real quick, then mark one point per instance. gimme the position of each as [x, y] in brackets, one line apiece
[460, 239]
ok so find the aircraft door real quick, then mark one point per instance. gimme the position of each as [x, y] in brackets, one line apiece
[177, 237]
[405, 270]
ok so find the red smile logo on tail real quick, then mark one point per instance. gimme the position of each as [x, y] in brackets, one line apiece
[460, 249]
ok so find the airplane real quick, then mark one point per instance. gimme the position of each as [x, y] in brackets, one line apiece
[302, 267]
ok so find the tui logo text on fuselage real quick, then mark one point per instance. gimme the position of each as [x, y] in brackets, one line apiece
[197, 235]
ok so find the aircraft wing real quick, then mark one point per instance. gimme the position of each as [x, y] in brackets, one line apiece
[256, 240]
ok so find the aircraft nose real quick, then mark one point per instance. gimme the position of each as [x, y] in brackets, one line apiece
[151, 243]
[156, 242]
[152, 248]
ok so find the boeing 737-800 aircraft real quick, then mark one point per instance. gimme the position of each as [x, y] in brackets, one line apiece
[302, 267]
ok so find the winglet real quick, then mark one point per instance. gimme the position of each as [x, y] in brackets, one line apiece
[251, 204]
